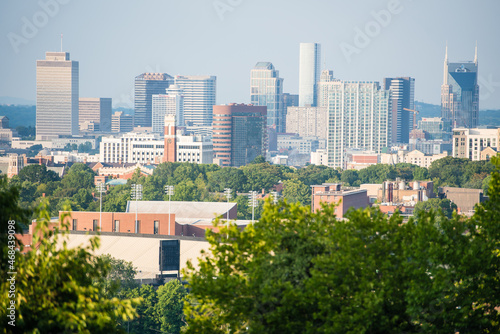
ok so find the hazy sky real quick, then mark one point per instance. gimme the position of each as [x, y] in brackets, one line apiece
[116, 40]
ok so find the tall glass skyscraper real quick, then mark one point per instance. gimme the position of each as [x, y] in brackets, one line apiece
[403, 96]
[56, 96]
[266, 89]
[358, 117]
[146, 85]
[199, 98]
[309, 71]
[460, 93]
[171, 103]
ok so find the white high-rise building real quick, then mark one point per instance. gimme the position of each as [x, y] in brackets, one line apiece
[309, 71]
[358, 117]
[171, 103]
[324, 81]
[469, 143]
[56, 96]
[199, 98]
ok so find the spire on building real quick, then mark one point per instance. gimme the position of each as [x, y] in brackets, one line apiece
[445, 72]
[475, 55]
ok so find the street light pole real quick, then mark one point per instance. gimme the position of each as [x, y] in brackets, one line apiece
[101, 188]
[136, 194]
[169, 190]
[227, 193]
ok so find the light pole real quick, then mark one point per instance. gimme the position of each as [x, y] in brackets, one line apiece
[227, 193]
[275, 197]
[101, 188]
[252, 201]
[136, 195]
[169, 190]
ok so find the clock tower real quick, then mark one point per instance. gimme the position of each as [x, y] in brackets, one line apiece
[169, 151]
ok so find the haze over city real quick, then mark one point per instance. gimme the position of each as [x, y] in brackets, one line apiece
[116, 41]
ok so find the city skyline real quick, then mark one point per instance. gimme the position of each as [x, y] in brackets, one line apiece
[398, 44]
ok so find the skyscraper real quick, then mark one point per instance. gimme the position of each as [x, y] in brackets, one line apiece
[56, 96]
[199, 98]
[239, 134]
[325, 79]
[460, 93]
[309, 71]
[146, 85]
[403, 96]
[358, 117]
[165, 104]
[266, 89]
[96, 110]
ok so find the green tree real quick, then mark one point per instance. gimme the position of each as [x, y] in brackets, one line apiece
[261, 176]
[147, 320]
[349, 177]
[170, 305]
[79, 176]
[54, 287]
[37, 174]
[227, 177]
[116, 199]
[120, 275]
[440, 206]
[259, 160]
[296, 271]
[296, 191]
[185, 191]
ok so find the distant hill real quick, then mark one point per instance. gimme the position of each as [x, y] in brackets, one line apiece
[19, 115]
[427, 110]
[15, 100]
[486, 117]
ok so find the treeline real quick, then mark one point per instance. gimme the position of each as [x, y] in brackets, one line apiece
[206, 182]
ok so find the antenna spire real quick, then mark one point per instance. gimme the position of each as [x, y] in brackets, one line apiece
[475, 55]
[61, 42]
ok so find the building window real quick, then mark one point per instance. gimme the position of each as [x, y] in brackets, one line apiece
[156, 227]
[116, 226]
[75, 225]
[95, 224]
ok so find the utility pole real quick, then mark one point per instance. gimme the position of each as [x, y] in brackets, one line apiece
[169, 190]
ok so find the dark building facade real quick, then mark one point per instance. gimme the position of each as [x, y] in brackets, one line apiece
[146, 85]
[239, 133]
[402, 95]
[460, 93]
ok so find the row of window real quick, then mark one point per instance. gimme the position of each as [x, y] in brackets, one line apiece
[116, 226]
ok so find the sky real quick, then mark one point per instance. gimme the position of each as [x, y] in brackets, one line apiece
[361, 40]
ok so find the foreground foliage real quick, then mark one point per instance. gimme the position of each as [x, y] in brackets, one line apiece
[55, 290]
[295, 271]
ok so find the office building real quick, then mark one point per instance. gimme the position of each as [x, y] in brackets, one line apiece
[146, 85]
[170, 103]
[460, 93]
[194, 149]
[333, 193]
[403, 97]
[266, 89]
[325, 79]
[358, 117]
[290, 100]
[307, 121]
[239, 134]
[469, 143]
[199, 97]
[309, 71]
[121, 122]
[56, 96]
[97, 111]
[131, 147]
[435, 128]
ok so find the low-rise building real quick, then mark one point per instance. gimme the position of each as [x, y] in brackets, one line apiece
[332, 193]
[469, 143]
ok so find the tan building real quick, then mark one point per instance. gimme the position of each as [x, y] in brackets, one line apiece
[307, 121]
[422, 160]
[332, 193]
[469, 143]
[95, 114]
[464, 198]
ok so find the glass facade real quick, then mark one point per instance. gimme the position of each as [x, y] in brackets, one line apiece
[146, 85]
[309, 72]
[402, 96]
[199, 98]
[57, 96]
[171, 103]
[266, 89]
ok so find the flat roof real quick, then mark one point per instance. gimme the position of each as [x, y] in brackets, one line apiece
[181, 209]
